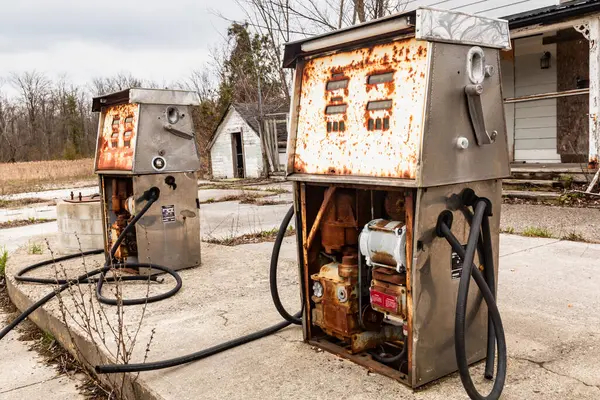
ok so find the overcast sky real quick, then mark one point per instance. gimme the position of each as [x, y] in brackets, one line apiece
[162, 40]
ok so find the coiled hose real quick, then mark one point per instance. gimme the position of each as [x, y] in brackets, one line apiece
[496, 335]
[151, 196]
[199, 355]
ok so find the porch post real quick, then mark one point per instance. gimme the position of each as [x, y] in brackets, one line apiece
[592, 33]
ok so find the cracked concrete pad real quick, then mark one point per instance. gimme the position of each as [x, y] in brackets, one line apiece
[547, 294]
[25, 375]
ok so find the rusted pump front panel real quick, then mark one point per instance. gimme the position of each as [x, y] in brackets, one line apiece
[361, 111]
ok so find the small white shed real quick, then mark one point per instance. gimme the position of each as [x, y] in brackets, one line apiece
[235, 148]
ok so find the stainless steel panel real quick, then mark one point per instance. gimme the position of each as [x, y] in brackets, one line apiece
[154, 140]
[170, 241]
[447, 119]
[456, 27]
[434, 291]
[163, 96]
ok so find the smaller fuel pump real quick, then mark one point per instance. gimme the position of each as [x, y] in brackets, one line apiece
[146, 140]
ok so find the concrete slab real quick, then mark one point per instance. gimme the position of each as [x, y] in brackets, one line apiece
[43, 211]
[25, 375]
[230, 218]
[547, 292]
[13, 238]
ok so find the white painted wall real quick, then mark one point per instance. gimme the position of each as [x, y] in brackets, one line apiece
[488, 8]
[534, 121]
[221, 151]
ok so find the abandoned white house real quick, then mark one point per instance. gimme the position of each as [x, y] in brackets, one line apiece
[245, 145]
[550, 78]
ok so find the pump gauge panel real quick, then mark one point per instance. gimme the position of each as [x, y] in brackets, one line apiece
[117, 137]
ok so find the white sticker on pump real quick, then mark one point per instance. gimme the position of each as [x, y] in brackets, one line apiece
[168, 213]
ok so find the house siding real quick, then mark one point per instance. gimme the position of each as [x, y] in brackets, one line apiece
[222, 151]
[488, 8]
[534, 121]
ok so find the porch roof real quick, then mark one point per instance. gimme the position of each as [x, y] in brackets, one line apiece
[553, 14]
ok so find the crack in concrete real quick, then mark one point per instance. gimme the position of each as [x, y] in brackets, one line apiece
[221, 313]
[29, 384]
[530, 248]
[542, 365]
[288, 340]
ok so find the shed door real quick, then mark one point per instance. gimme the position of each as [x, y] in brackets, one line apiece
[238, 155]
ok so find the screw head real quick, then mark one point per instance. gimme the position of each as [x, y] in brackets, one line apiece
[462, 143]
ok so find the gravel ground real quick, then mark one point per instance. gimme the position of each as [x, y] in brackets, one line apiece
[559, 221]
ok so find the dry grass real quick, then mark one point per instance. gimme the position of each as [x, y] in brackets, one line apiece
[22, 202]
[258, 237]
[42, 175]
[24, 222]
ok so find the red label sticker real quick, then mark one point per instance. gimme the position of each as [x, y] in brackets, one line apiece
[384, 301]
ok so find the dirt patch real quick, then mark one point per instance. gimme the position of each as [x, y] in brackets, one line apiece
[243, 198]
[22, 202]
[258, 237]
[24, 222]
[272, 202]
[574, 199]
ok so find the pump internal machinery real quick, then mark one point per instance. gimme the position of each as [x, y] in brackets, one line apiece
[396, 148]
[146, 140]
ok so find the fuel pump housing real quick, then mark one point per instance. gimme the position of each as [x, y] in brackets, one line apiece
[391, 122]
[146, 140]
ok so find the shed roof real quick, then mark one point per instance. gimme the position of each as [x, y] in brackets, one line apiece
[249, 113]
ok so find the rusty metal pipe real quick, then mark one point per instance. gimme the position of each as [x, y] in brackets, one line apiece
[313, 230]
[369, 339]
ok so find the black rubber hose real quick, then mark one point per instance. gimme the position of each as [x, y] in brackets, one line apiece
[488, 262]
[173, 362]
[199, 355]
[85, 278]
[294, 319]
[391, 359]
[469, 269]
[55, 281]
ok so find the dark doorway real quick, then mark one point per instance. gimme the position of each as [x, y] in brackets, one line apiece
[238, 155]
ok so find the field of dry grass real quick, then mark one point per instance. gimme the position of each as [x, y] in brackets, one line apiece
[43, 175]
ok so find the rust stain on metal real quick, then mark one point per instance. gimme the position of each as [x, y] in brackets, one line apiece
[381, 257]
[380, 142]
[115, 151]
[409, 208]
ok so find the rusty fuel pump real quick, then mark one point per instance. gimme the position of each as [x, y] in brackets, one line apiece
[397, 147]
[146, 140]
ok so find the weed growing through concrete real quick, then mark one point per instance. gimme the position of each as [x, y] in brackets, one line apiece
[3, 261]
[532, 231]
[104, 326]
[35, 248]
[574, 237]
[257, 237]
[567, 180]
[508, 229]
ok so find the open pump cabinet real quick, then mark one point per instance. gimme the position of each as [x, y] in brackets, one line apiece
[392, 122]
